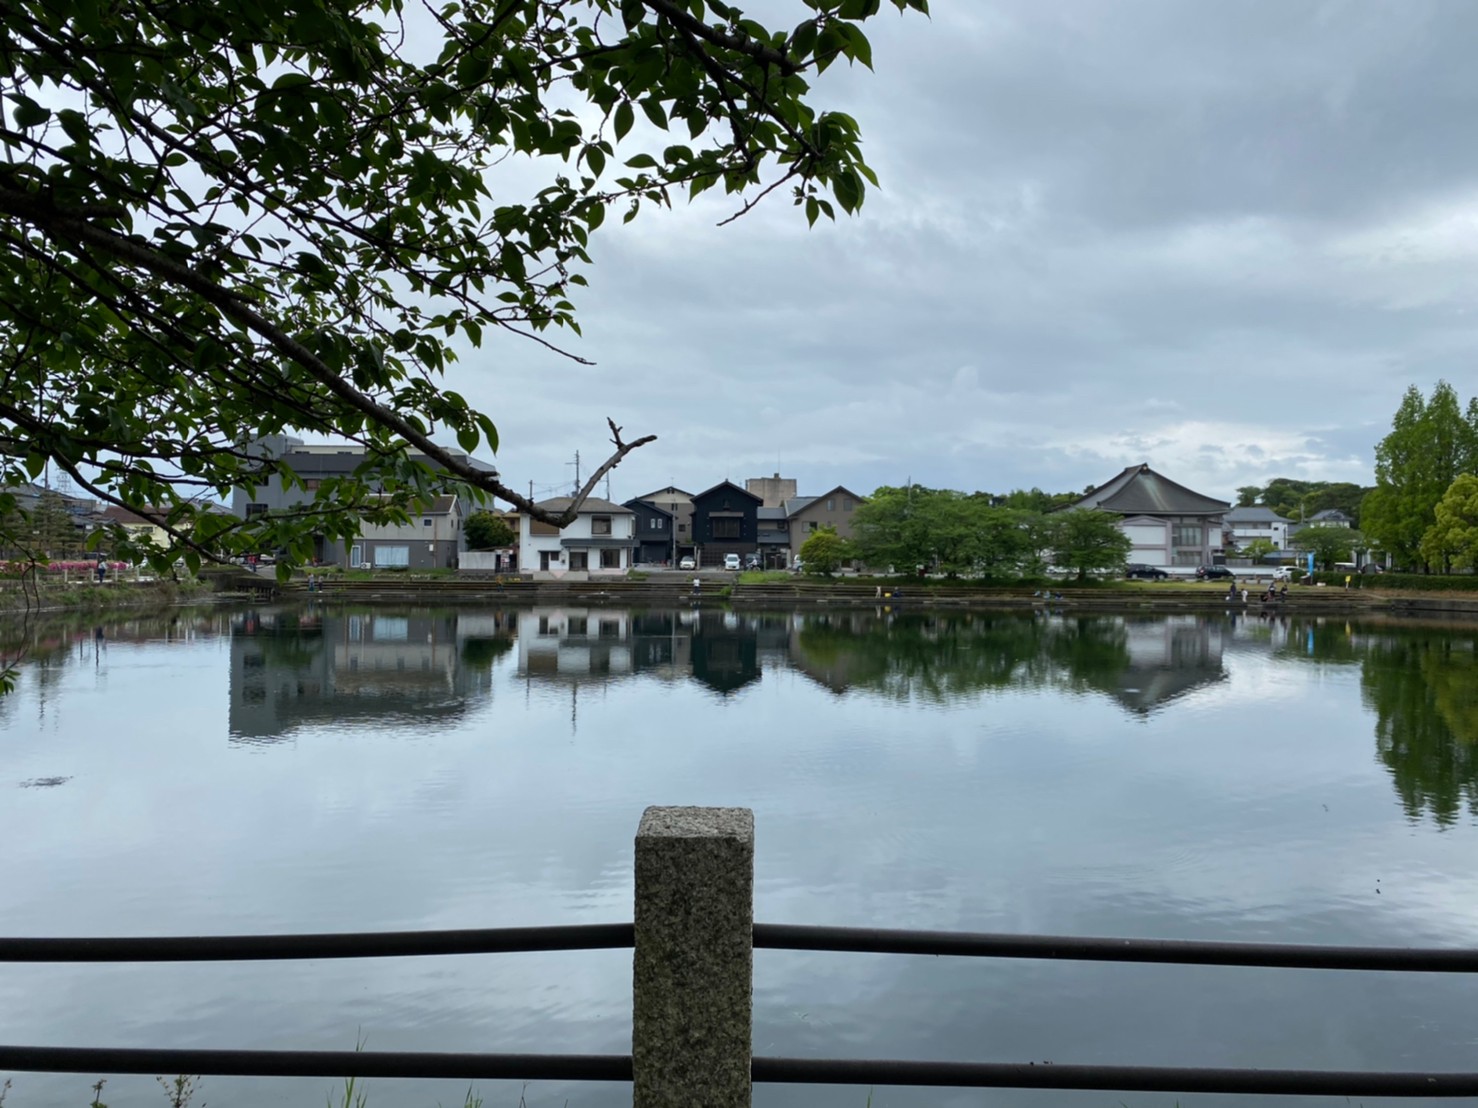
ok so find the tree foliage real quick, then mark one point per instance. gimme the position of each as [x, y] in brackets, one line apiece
[1431, 442]
[1452, 540]
[228, 220]
[1088, 541]
[1329, 544]
[824, 552]
[487, 531]
[1298, 500]
[947, 531]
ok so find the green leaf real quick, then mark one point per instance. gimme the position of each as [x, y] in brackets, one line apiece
[654, 111]
[624, 119]
[28, 113]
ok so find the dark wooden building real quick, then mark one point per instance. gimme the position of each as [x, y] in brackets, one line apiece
[656, 534]
[725, 521]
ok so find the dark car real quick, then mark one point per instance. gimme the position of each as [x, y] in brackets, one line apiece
[1145, 572]
[1211, 573]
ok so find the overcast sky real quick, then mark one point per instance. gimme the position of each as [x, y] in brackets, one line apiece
[1219, 238]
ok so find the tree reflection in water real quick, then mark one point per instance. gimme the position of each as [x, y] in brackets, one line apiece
[1423, 687]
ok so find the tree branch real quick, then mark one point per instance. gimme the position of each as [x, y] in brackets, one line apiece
[766, 55]
[235, 306]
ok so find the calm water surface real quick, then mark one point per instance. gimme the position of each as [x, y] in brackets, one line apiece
[318, 769]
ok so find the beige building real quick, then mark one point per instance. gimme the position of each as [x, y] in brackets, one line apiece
[805, 515]
[772, 491]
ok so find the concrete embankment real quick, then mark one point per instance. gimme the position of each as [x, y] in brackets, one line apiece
[669, 590]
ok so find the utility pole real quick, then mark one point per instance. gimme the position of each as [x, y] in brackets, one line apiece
[576, 463]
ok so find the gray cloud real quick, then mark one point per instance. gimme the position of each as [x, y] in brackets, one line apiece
[1222, 240]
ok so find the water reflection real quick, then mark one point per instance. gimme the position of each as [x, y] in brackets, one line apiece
[1424, 693]
[292, 667]
[1142, 664]
[298, 666]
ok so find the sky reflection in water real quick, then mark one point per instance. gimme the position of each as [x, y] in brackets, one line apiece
[286, 769]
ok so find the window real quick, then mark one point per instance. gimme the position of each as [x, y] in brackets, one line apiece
[579, 559]
[812, 526]
[1185, 534]
[847, 504]
[426, 522]
[610, 559]
[392, 555]
[656, 524]
[576, 627]
[727, 528]
[255, 510]
[600, 525]
[831, 504]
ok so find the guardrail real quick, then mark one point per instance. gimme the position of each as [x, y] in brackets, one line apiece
[693, 940]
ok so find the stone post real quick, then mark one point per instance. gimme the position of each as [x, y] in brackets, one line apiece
[692, 971]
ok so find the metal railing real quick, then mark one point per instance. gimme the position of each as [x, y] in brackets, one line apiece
[656, 1084]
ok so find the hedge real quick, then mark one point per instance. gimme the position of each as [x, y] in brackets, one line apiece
[1423, 582]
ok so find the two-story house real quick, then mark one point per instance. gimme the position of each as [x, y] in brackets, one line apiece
[432, 538]
[1248, 524]
[679, 504]
[316, 464]
[805, 515]
[656, 534]
[601, 540]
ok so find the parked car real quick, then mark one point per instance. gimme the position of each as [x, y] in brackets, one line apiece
[1212, 573]
[731, 561]
[1283, 573]
[687, 563]
[1140, 571]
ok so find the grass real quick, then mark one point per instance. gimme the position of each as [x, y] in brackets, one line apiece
[765, 576]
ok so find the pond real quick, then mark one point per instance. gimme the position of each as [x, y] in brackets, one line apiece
[321, 768]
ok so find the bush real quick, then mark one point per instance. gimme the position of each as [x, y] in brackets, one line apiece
[1424, 582]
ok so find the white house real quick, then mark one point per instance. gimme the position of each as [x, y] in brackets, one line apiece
[600, 541]
[1254, 522]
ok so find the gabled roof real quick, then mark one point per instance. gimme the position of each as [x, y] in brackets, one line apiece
[1139, 490]
[115, 514]
[1255, 513]
[771, 514]
[637, 504]
[592, 505]
[1330, 514]
[796, 504]
[670, 490]
[723, 485]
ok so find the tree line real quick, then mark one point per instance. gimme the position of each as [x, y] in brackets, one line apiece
[1423, 510]
[972, 534]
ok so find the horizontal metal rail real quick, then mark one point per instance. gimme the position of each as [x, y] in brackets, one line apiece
[767, 936]
[367, 944]
[319, 1063]
[829, 1071]
[870, 940]
[1143, 1079]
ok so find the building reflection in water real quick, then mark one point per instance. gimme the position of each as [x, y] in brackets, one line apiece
[1142, 664]
[292, 667]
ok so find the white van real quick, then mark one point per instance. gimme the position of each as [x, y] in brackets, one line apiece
[731, 561]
